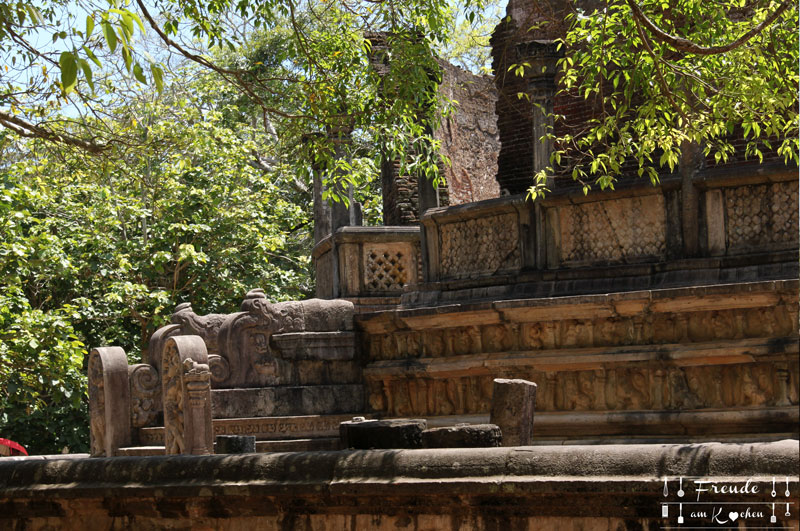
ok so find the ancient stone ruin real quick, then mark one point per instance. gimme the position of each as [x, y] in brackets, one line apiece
[664, 314]
[650, 313]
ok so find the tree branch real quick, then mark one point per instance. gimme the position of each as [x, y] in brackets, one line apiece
[27, 129]
[687, 46]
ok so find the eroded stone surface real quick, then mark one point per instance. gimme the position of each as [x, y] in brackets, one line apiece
[234, 444]
[550, 487]
[109, 401]
[513, 407]
[463, 436]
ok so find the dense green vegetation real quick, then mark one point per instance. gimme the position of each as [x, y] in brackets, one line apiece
[99, 250]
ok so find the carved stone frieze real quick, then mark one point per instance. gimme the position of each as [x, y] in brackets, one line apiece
[623, 388]
[479, 246]
[613, 230]
[646, 328]
[762, 214]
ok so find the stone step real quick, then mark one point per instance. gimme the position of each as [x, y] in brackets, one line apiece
[698, 424]
[319, 444]
[299, 445]
[140, 451]
[265, 428]
[286, 401]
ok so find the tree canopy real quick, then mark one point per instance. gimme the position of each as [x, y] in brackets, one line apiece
[665, 75]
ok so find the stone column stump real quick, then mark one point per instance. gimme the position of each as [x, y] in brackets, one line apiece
[513, 405]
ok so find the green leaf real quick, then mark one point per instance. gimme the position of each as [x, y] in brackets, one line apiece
[111, 36]
[36, 16]
[138, 74]
[90, 54]
[158, 77]
[89, 25]
[69, 71]
[126, 56]
[87, 72]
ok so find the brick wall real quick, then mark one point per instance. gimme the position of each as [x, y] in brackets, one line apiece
[469, 136]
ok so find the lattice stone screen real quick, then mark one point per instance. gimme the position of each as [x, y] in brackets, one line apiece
[762, 214]
[613, 230]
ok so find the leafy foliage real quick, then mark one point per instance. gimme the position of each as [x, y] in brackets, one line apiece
[665, 75]
[98, 251]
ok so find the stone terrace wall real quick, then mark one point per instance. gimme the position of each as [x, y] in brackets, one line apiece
[715, 361]
[469, 137]
[546, 488]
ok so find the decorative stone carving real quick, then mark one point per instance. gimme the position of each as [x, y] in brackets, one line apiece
[219, 367]
[387, 268]
[155, 347]
[762, 214]
[479, 246]
[205, 326]
[614, 230]
[145, 395]
[187, 397]
[245, 338]
[109, 401]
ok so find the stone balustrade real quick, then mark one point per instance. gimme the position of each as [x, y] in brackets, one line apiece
[732, 226]
[370, 265]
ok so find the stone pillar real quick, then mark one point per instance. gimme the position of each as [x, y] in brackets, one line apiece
[513, 405]
[187, 397]
[109, 401]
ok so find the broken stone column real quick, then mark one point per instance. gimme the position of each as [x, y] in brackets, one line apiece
[109, 401]
[396, 433]
[187, 397]
[513, 405]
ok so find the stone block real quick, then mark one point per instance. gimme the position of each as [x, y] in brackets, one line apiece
[463, 436]
[513, 405]
[382, 434]
[235, 444]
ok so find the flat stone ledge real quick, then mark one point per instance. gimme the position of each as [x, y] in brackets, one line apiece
[440, 470]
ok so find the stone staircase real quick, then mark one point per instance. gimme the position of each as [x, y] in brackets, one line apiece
[297, 433]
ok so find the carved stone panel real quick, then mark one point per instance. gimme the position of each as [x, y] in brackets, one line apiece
[480, 246]
[388, 267]
[109, 401]
[764, 214]
[145, 395]
[614, 230]
[187, 397]
[205, 326]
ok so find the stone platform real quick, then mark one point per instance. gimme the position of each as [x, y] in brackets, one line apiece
[718, 361]
[522, 488]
